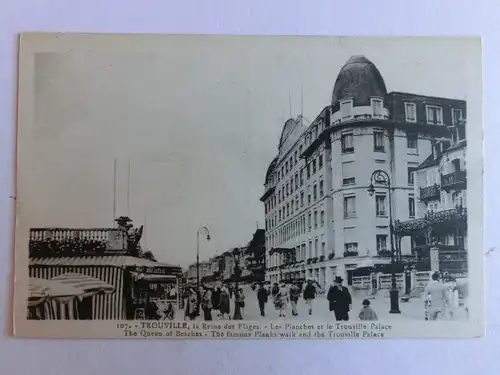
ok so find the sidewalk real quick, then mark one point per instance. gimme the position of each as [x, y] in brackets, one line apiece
[411, 310]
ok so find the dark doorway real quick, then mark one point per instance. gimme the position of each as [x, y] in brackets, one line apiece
[349, 277]
[85, 309]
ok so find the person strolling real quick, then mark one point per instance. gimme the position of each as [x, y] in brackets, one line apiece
[294, 298]
[309, 295]
[206, 303]
[225, 303]
[437, 297]
[367, 312]
[340, 300]
[262, 297]
[239, 304]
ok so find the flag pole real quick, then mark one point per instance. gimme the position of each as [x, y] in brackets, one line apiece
[114, 191]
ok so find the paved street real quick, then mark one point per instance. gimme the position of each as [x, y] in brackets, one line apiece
[412, 310]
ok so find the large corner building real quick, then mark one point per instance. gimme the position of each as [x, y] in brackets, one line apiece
[321, 221]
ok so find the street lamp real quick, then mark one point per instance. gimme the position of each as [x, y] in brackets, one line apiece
[237, 273]
[207, 234]
[381, 177]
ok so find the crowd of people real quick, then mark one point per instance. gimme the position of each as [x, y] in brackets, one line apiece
[338, 296]
[441, 297]
[209, 300]
[228, 302]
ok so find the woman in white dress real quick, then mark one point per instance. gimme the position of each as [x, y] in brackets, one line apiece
[283, 299]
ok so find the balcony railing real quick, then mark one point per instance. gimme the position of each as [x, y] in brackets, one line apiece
[432, 219]
[430, 192]
[453, 180]
[72, 241]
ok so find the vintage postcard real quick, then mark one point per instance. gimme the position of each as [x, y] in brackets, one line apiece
[196, 186]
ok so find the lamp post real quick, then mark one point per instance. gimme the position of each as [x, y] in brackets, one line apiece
[207, 233]
[381, 177]
[237, 273]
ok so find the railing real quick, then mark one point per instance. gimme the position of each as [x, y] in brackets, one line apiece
[430, 219]
[453, 179]
[430, 192]
[363, 117]
[72, 241]
[59, 234]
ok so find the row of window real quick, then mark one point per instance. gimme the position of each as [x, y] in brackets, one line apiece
[292, 206]
[297, 227]
[381, 207]
[434, 114]
[458, 199]
[351, 248]
[347, 142]
[293, 229]
[301, 253]
[346, 108]
[313, 250]
[348, 172]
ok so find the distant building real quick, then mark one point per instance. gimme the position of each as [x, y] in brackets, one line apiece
[222, 267]
[256, 256]
[321, 221]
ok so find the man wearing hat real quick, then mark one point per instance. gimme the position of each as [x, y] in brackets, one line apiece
[340, 300]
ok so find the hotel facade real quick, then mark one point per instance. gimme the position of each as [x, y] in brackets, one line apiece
[321, 221]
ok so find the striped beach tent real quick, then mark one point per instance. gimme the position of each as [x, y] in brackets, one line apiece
[38, 291]
[38, 288]
[88, 284]
[53, 297]
[52, 289]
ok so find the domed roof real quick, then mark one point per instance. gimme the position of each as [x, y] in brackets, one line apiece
[288, 128]
[270, 169]
[358, 79]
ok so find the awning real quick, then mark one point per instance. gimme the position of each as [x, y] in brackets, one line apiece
[88, 284]
[38, 288]
[52, 289]
[280, 250]
[121, 261]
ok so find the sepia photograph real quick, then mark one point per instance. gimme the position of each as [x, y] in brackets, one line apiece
[177, 186]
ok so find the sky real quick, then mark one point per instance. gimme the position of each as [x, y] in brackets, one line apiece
[199, 118]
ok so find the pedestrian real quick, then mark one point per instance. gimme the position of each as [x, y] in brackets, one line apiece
[436, 295]
[239, 301]
[275, 289]
[206, 303]
[225, 303]
[452, 297]
[262, 296]
[294, 298]
[340, 300]
[281, 300]
[367, 312]
[190, 311]
[309, 295]
[216, 300]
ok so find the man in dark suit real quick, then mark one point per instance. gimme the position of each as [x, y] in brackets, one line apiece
[340, 300]
[262, 298]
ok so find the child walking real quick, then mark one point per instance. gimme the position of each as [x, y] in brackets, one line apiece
[367, 313]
